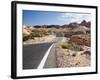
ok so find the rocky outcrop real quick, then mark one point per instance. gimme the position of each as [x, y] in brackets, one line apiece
[81, 40]
[84, 23]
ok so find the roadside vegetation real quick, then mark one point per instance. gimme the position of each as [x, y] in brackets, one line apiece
[74, 50]
[35, 33]
[71, 46]
[26, 37]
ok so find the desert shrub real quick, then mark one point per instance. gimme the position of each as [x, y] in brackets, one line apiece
[81, 40]
[74, 54]
[78, 32]
[69, 34]
[87, 52]
[31, 36]
[65, 45]
[44, 32]
[26, 37]
[36, 34]
[76, 47]
[71, 46]
[88, 32]
[39, 32]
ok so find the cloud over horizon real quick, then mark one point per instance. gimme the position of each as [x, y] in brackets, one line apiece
[74, 17]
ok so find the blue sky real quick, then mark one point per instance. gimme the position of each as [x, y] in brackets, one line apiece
[32, 18]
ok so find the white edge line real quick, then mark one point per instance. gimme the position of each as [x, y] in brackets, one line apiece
[44, 58]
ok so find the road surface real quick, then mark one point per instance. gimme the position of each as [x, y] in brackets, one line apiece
[51, 59]
[34, 53]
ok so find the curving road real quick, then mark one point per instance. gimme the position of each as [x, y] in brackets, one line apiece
[34, 53]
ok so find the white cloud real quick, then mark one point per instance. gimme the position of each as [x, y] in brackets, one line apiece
[74, 17]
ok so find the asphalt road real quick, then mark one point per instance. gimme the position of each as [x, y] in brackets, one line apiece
[33, 54]
[51, 59]
[57, 39]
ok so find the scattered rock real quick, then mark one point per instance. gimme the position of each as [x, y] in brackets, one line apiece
[69, 58]
[81, 40]
[87, 52]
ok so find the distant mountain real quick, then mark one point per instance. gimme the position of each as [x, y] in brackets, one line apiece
[87, 24]
[70, 25]
[83, 23]
[81, 28]
[47, 26]
[73, 25]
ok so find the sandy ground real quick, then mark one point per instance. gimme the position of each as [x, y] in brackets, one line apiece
[69, 58]
[37, 40]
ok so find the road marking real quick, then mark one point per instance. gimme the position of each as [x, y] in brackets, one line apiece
[44, 58]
